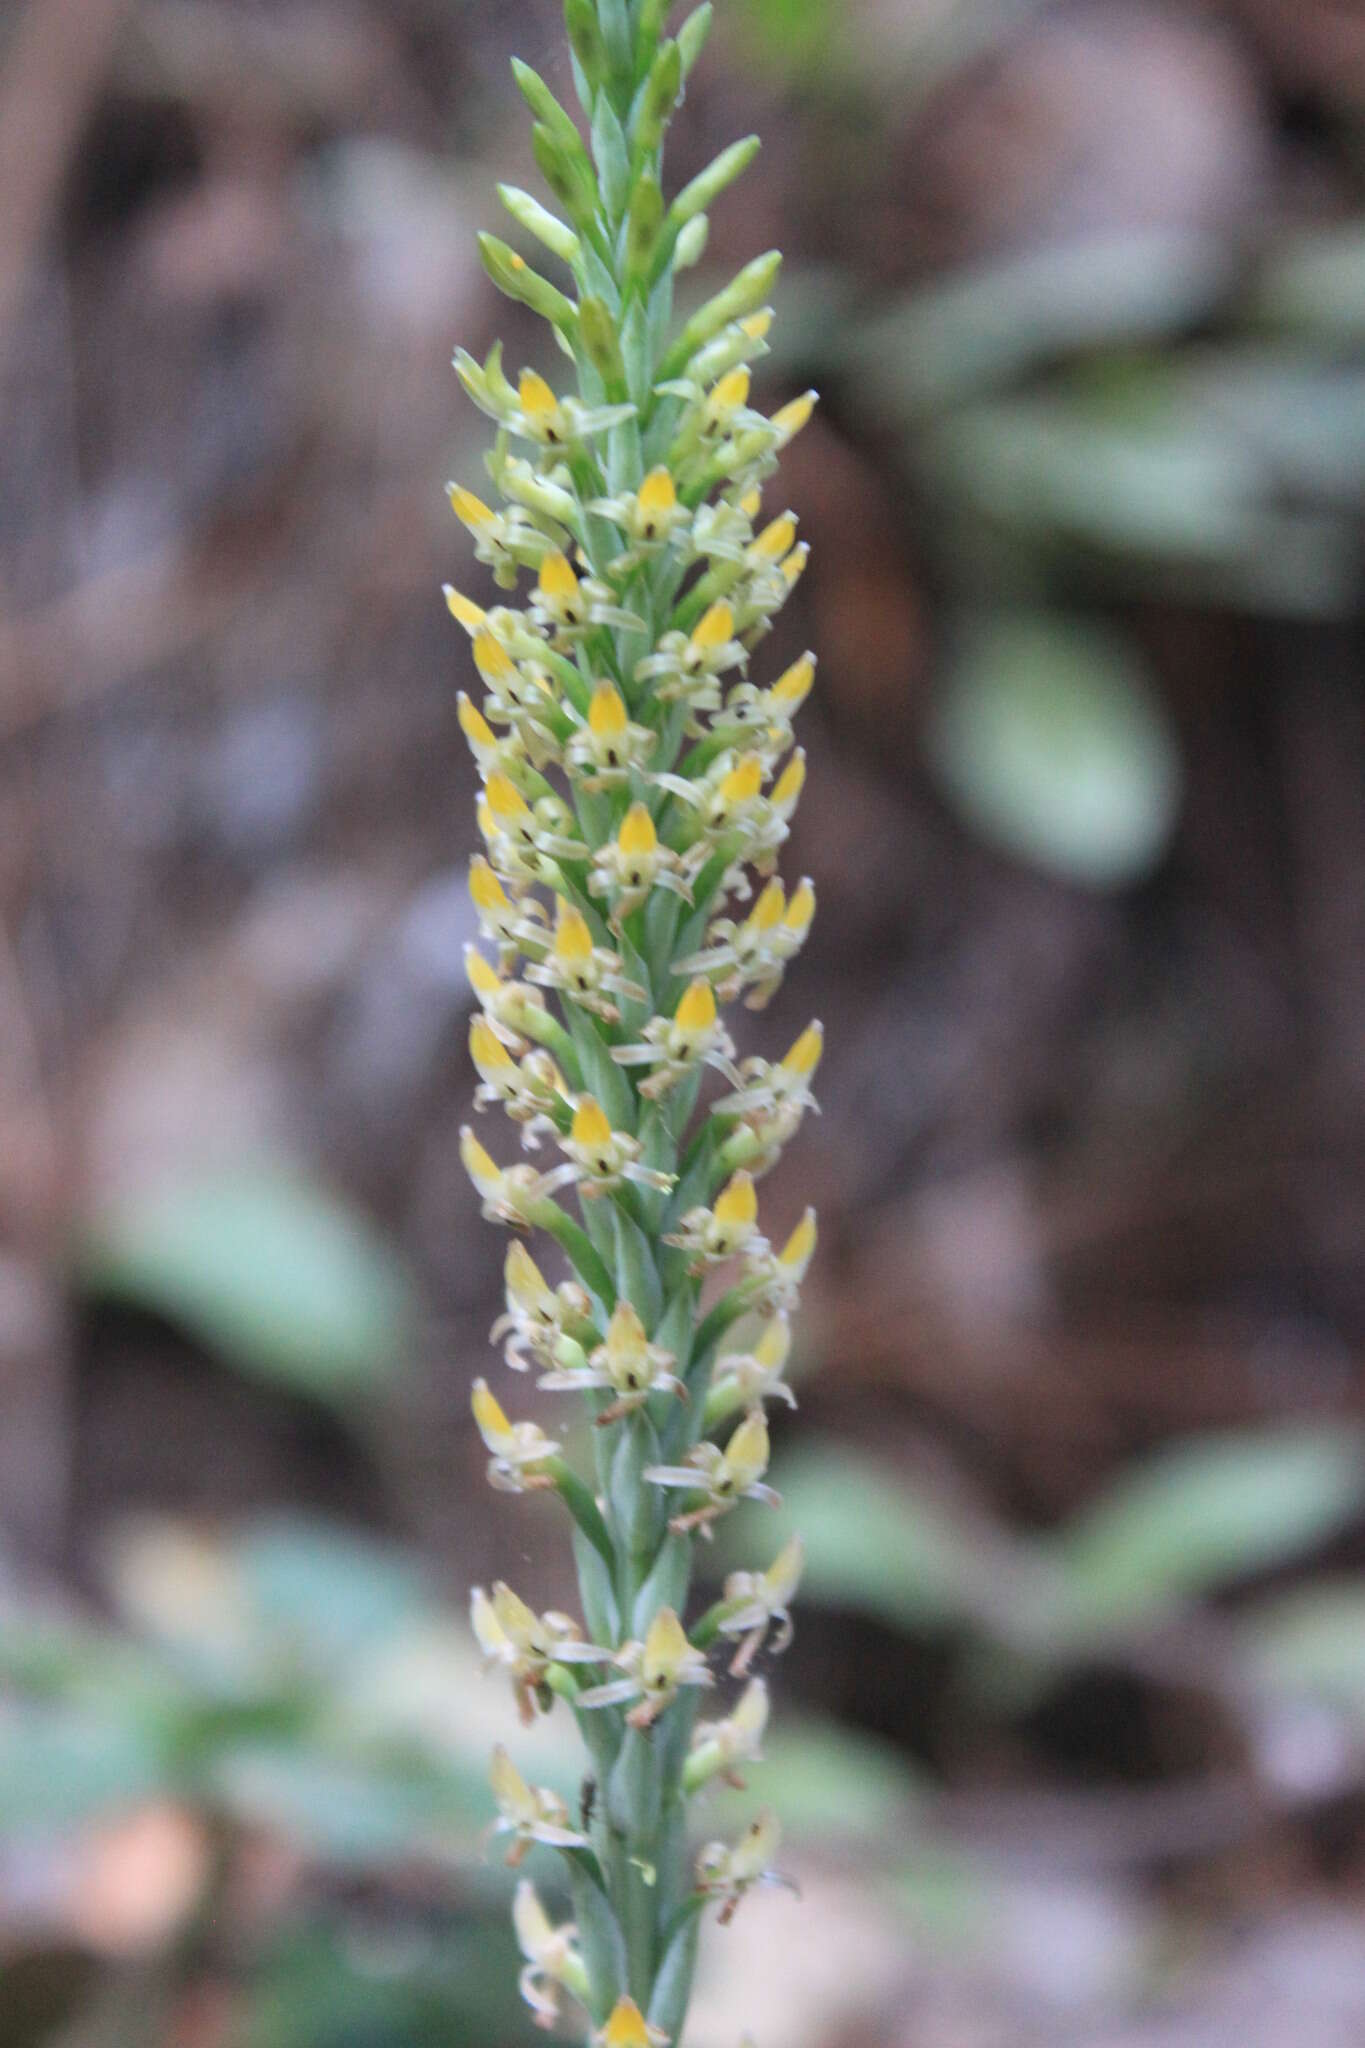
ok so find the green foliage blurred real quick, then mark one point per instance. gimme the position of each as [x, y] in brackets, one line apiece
[792, 34]
[296, 1683]
[1087, 432]
[1192, 1522]
[266, 1271]
[1123, 418]
[1050, 740]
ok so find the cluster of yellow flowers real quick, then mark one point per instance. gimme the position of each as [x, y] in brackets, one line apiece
[638, 785]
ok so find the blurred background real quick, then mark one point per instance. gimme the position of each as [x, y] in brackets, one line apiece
[1071, 1744]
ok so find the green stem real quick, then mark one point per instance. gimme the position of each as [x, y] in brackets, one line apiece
[575, 1241]
[705, 1631]
[584, 1509]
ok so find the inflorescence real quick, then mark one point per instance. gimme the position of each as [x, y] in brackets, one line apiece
[638, 785]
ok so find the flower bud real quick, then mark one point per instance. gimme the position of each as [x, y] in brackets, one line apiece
[585, 38]
[744, 294]
[645, 222]
[513, 275]
[537, 220]
[693, 34]
[691, 243]
[597, 331]
[567, 171]
[706, 188]
[659, 97]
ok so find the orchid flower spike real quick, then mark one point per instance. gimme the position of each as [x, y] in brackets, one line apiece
[637, 768]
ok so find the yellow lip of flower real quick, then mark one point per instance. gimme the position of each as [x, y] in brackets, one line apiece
[557, 580]
[736, 1739]
[483, 979]
[479, 1164]
[637, 836]
[526, 1283]
[656, 505]
[751, 504]
[801, 909]
[627, 1347]
[757, 326]
[536, 398]
[714, 629]
[799, 1249]
[488, 1631]
[625, 1331]
[790, 419]
[471, 511]
[766, 914]
[487, 1050]
[483, 816]
[658, 493]
[774, 1345]
[506, 801]
[737, 1202]
[534, 1930]
[573, 936]
[473, 724]
[517, 1621]
[730, 393]
[760, 1598]
[794, 566]
[492, 661]
[783, 1575]
[748, 1451]
[804, 1056]
[753, 1853]
[591, 1124]
[626, 2027]
[776, 540]
[790, 783]
[696, 1012]
[470, 615]
[744, 781]
[607, 715]
[794, 686]
[492, 1423]
[511, 1791]
[749, 1718]
[666, 1648]
[548, 1950]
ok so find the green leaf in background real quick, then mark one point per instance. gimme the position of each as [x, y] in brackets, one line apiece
[827, 1781]
[1184, 1523]
[266, 1270]
[332, 1594]
[1051, 743]
[1314, 284]
[357, 1810]
[875, 1543]
[1159, 491]
[982, 328]
[791, 33]
[1312, 1641]
[1303, 420]
[50, 1657]
[1209, 1512]
[401, 1986]
[1158, 480]
[61, 1767]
